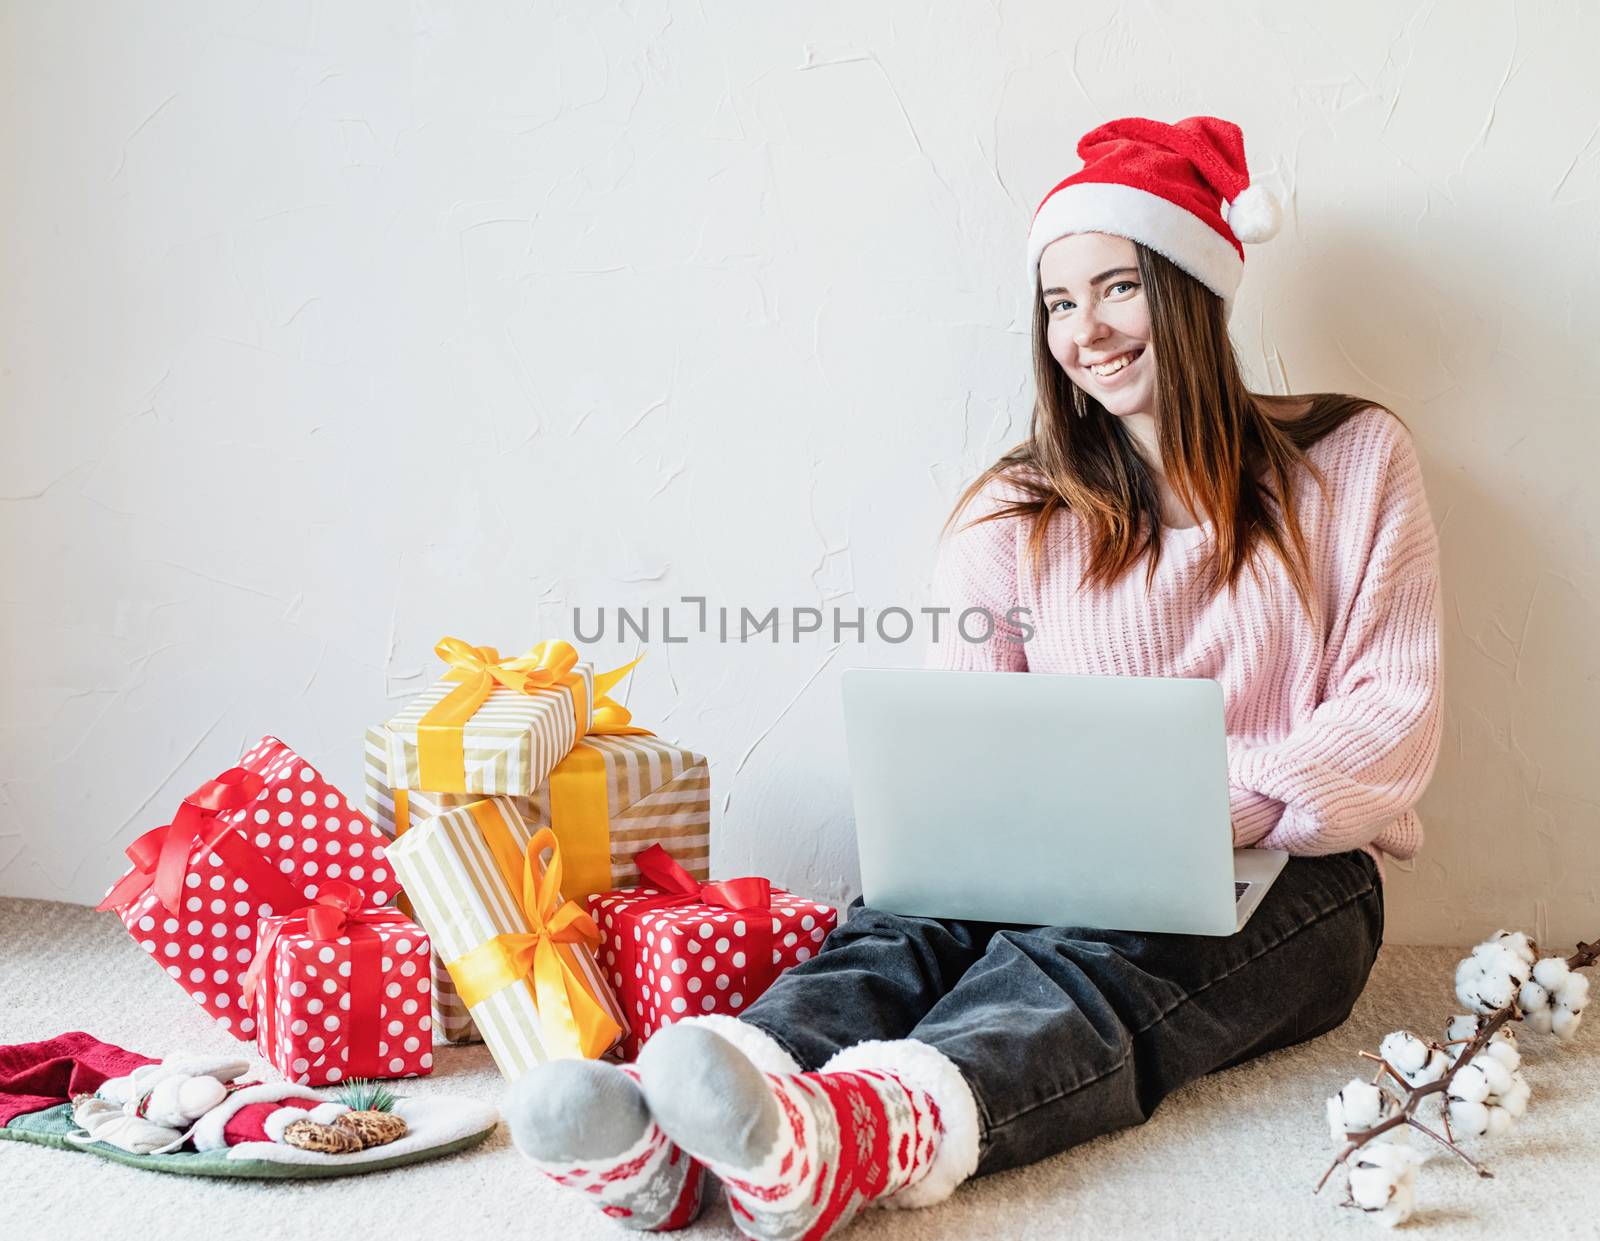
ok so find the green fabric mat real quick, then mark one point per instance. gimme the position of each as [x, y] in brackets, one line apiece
[51, 1127]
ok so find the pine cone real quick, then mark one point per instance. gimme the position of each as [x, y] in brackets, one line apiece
[372, 1128]
[309, 1135]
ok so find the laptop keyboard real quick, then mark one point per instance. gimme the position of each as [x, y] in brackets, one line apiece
[1239, 889]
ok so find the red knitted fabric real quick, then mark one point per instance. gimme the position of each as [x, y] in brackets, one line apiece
[34, 1076]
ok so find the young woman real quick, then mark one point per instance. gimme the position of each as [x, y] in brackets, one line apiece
[1288, 552]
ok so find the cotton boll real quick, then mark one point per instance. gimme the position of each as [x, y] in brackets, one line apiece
[1505, 1052]
[1438, 1065]
[1482, 992]
[1336, 1120]
[1416, 1061]
[1495, 1073]
[1516, 1100]
[1465, 1025]
[1497, 958]
[1401, 1205]
[1553, 999]
[1490, 978]
[1404, 1050]
[1551, 972]
[1570, 1000]
[1493, 992]
[1358, 1107]
[1516, 942]
[1383, 1181]
[1485, 1098]
[1469, 1118]
[1469, 1084]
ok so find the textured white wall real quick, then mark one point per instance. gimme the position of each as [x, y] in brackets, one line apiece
[329, 329]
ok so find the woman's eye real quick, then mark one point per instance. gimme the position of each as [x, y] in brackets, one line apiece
[1052, 307]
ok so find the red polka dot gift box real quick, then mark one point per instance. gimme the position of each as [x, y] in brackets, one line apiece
[254, 842]
[341, 990]
[682, 948]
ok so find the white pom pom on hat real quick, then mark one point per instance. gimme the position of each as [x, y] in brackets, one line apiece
[1182, 189]
[1253, 215]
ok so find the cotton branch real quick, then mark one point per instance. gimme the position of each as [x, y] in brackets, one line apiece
[1409, 1097]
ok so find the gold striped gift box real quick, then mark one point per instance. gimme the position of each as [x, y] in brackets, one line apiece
[655, 792]
[451, 1021]
[510, 743]
[457, 869]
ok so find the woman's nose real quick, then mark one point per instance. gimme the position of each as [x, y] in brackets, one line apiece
[1090, 329]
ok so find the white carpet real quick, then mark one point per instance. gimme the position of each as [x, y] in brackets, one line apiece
[1234, 1155]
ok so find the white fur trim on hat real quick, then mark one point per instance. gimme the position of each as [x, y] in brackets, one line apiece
[930, 1070]
[1138, 215]
[207, 1131]
[759, 1047]
[322, 1114]
[280, 1120]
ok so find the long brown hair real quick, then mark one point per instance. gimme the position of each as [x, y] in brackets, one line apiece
[1228, 453]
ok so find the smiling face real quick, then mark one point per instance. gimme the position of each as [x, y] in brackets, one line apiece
[1098, 314]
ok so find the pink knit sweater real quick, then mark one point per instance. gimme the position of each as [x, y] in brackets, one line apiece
[1333, 729]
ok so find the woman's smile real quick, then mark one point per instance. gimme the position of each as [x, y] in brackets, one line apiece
[1113, 371]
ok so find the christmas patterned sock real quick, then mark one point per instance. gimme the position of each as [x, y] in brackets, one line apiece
[800, 1154]
[585, 1125]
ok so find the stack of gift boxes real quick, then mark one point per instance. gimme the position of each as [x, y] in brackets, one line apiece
[531, 870]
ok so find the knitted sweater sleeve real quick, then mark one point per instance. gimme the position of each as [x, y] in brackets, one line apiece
[975, 577]
[1349, 776]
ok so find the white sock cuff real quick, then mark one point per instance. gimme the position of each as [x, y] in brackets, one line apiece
[925, 1068]
[759, 1047]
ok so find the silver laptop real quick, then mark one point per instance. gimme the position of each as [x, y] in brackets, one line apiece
[1048, 800]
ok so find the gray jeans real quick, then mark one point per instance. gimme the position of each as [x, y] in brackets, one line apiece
[1065, 1033]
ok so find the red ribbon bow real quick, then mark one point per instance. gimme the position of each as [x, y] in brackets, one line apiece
[337, 910]
[161, 857]
[662, 871]
[751, 894]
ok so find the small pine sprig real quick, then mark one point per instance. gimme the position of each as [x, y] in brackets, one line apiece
[362, 1094]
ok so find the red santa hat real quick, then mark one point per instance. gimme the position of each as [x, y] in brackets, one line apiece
[1183, 190]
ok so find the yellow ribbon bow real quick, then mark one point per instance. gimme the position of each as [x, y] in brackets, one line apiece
[579, 784]
[611, 718]
[548, 665]
[574, 1022]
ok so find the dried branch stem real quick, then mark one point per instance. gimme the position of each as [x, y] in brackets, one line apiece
[1443, 1141]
